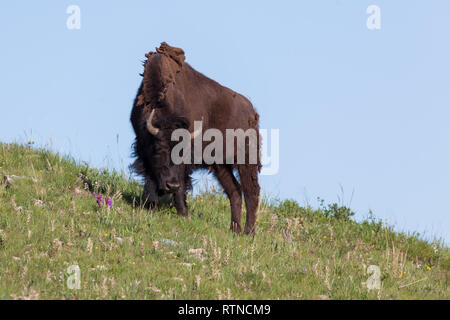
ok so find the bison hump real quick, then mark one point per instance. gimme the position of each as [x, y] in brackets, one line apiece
[177, 54]
[160, 73]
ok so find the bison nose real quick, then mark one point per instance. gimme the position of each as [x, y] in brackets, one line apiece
[173, 186]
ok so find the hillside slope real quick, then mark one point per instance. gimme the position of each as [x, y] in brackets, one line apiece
[50, 220]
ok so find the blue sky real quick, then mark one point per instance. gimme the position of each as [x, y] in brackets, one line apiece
[367, 110]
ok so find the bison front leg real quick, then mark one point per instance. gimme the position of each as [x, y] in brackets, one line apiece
[149, 197]
[179, 196]
[232, 189]
[250, 186]
[180, 202]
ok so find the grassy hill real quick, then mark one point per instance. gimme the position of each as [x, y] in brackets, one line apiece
[50, 221]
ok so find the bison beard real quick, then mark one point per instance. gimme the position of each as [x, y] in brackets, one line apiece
[173, 95]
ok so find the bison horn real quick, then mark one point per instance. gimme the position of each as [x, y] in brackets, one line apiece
[154, 131]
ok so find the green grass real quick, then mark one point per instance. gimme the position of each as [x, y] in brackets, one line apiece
[49, 221]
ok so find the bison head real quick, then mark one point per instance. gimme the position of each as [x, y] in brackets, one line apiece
[168, 175]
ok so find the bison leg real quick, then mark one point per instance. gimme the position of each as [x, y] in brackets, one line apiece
[180, 195]
[180, 202]
[233, 190]
[250, 186]
[149, 195]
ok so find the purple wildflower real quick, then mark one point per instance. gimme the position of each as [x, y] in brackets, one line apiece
[311, 251]
[100, 200]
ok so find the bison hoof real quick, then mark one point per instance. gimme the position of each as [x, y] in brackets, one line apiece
[235, 227]
[151, 206]
[183, 213]
[250, 232]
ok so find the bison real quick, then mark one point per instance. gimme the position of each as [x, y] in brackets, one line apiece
[172, 96]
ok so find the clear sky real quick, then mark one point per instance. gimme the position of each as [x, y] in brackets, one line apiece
[364, 109]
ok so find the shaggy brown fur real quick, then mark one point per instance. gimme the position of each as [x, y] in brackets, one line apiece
[180, 95]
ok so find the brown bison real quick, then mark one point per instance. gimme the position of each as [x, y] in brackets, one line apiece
[173, 96]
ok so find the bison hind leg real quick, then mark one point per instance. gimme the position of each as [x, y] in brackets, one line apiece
[249, 180]
[232, 188]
